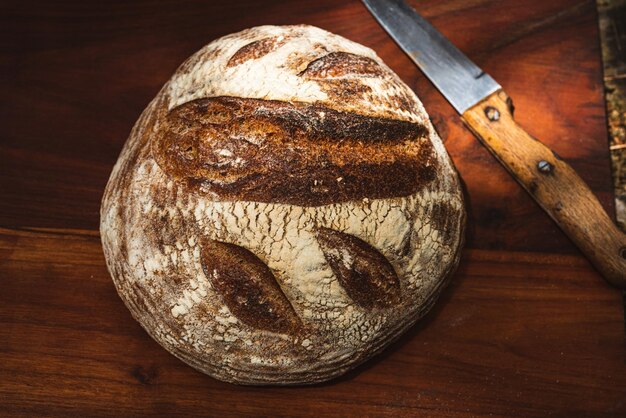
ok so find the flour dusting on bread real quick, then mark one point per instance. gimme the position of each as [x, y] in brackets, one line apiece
[282, 210]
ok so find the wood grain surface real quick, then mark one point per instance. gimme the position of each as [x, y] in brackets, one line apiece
[527, 327]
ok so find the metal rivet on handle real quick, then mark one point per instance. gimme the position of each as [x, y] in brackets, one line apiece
[492, 113]
[545, 167]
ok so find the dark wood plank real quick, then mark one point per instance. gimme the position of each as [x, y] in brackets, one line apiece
[516, 334]
[526, 329]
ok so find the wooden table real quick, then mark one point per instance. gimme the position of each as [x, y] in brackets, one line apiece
[527, 327]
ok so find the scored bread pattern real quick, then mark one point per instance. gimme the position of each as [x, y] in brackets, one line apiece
[365, 274]
[251, 292]
[294, 153]
[255, 50]
[342, 65]
[282, 210]
[248, 287]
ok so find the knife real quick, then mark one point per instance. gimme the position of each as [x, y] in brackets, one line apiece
[488, 112]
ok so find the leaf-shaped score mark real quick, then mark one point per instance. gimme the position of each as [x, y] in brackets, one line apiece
[248, 287]
[342, 64]
[366, 275]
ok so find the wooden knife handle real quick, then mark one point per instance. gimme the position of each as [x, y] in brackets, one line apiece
[552, 183]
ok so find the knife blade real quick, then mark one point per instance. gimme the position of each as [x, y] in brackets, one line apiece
[461, 81]
[488, 112]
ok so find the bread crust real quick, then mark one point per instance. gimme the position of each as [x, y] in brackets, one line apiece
[293, 153]
[267, 269]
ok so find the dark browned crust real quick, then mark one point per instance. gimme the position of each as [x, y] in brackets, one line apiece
[254, 50]
[444, 217]
[293, 153]
[365, 274]
[248, 287]
[341, 64]
[340, 74]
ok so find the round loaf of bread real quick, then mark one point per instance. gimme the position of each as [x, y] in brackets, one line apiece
[282, 210]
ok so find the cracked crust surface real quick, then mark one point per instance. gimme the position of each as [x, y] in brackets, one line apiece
[255, 270]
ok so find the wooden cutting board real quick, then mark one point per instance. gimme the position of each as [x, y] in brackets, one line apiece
[527, 327]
